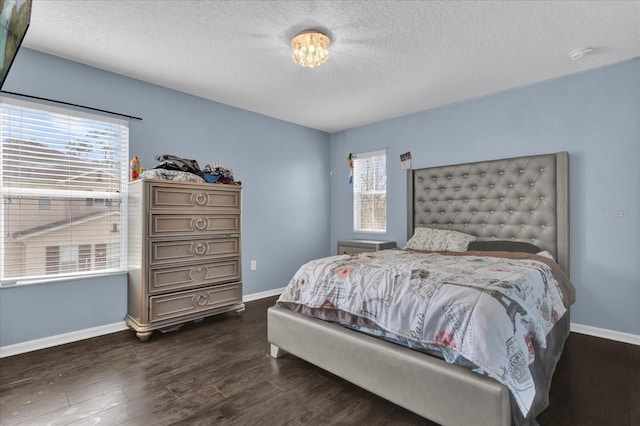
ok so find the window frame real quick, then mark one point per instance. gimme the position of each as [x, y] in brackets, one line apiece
[117, 197]
[357, 228]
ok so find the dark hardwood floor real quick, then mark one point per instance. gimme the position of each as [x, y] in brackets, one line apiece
[218, 372]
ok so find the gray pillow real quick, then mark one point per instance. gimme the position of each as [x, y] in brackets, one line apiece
[503, 245]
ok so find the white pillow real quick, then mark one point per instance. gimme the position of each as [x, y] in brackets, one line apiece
[439, 240]
[546, 253]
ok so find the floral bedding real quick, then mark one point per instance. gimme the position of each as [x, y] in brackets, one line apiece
[481, 310]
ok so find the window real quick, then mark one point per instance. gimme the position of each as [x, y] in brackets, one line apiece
[101, 256]
[44, 203]
[98, 202]
[370, 192]
[69, 258]
[107, 255]
[52, 260]
[78, 258]
[84, 257]
[63, 186]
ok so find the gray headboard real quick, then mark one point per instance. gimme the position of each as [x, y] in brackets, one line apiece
[519, 199]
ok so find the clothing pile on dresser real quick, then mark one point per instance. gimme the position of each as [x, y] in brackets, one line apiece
[216, 172]
[172, 167]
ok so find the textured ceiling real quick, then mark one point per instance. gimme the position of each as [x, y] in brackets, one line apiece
[388, 58]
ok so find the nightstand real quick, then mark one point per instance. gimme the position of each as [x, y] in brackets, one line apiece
[360, 246]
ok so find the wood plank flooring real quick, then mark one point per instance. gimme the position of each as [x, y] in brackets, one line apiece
[218, 372]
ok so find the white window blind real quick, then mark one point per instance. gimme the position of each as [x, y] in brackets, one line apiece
[370, 192]
[63, 177]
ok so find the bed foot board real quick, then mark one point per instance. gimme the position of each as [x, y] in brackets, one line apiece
[447, 394]
[276, 352]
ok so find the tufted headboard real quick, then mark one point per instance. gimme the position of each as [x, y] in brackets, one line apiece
[518, 199]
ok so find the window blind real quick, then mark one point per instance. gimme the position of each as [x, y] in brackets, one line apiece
[63, 184]
[370, 192]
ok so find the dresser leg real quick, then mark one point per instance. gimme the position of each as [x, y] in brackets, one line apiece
[144, 335]
[237, 311]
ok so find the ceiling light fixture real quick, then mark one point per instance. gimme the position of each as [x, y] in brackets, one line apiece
[579, 53]
[310, 48]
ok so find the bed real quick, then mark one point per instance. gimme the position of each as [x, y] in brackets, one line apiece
[515, 200]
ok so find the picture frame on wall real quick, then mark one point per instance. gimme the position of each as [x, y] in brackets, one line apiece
[15, 17]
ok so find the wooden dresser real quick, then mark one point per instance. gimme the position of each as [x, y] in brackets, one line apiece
[184, 253]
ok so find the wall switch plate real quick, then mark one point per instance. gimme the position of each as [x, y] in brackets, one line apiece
[253, 265]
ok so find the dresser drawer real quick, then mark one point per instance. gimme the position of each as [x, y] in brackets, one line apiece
[193, 301]
[163, 197]
[363, 246]
[162, 225]
[354, 250]
[189, 276]
[163, 252]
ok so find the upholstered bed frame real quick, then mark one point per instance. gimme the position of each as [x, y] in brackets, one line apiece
[519, 199]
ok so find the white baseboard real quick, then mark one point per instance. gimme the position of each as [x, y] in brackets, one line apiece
[604, 333]
[60, 339]
[262, 294]
[74, 336]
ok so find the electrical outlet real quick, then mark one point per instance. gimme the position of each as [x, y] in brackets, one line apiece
[254, 265]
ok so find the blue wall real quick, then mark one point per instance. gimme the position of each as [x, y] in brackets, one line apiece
[593, 115]
[284, 223]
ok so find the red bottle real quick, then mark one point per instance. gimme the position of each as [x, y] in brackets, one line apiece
[135, 168]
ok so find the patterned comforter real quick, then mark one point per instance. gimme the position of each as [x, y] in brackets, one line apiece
[482, 310]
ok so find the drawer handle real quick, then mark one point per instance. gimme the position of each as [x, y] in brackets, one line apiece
[200, 249]
[201, 224]
[198, 274]
[202, 299]
[201, 199]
